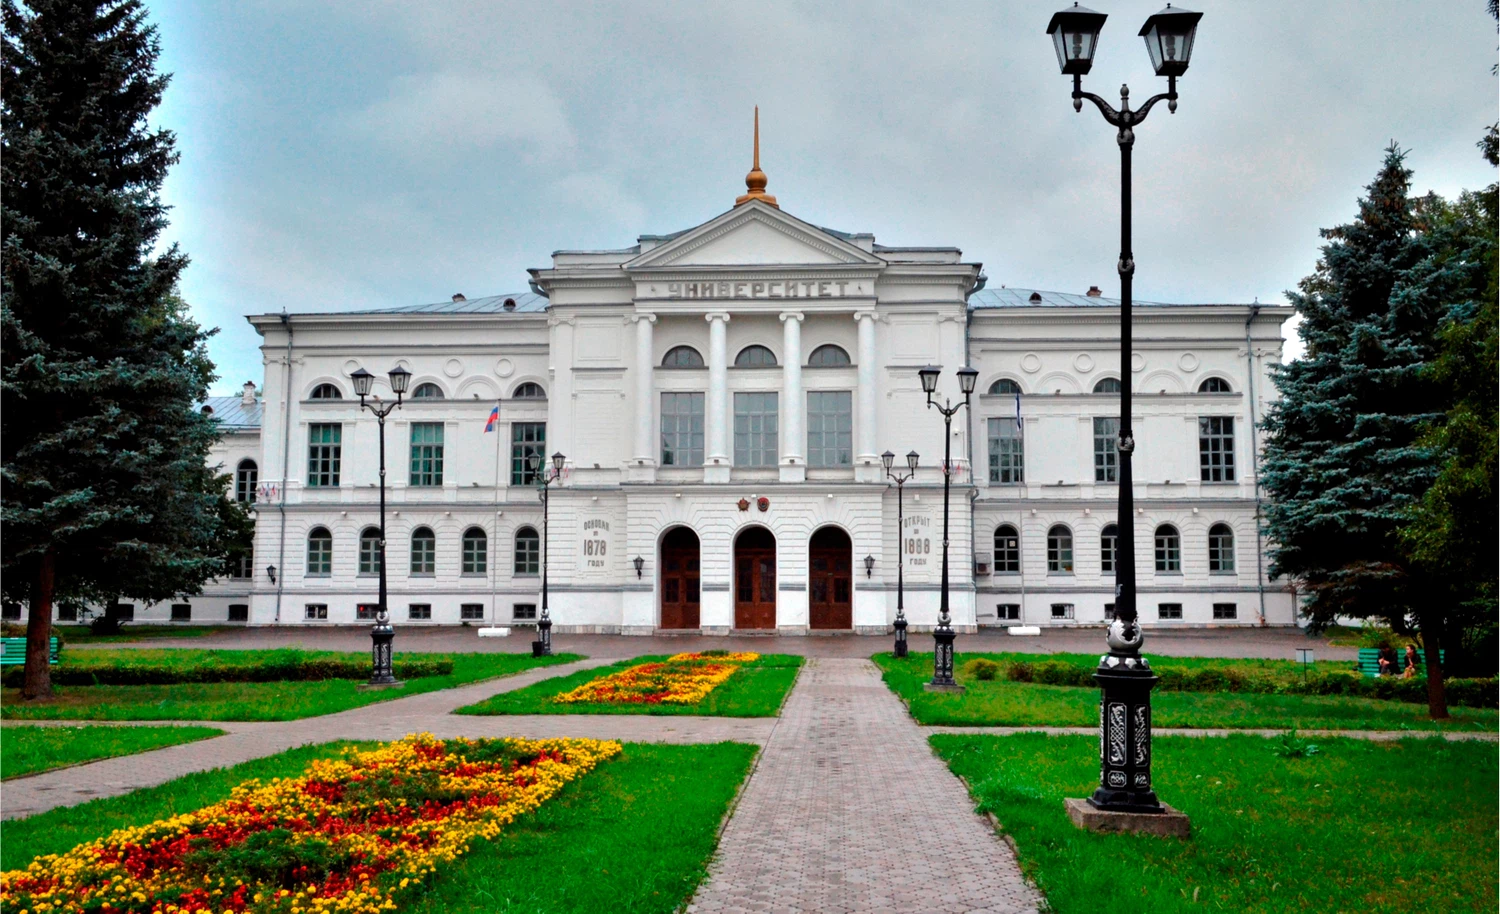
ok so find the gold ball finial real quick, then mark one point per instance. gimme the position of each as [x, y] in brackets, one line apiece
[755, 181]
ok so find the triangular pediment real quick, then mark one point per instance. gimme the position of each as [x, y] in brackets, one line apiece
[753, 234]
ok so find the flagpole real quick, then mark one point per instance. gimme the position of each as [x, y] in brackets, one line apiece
[495, 523]
[1021, 520]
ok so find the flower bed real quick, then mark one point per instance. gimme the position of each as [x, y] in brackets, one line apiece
[682, 679]
[351, 835]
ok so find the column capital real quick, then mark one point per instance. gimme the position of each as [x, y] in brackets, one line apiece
[640, 316]
[866, 314]
[717, 316]
[792, 316]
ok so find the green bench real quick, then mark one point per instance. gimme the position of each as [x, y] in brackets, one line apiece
[14, 653]
[1369, 660]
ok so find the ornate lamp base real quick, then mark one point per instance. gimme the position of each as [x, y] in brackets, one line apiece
[1125, 683]
[942, 659]
[381, 673]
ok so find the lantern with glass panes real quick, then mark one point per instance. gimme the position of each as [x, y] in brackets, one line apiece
[943, 635]
[382, 635]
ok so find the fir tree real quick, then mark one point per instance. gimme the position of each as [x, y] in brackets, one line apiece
[106, 487]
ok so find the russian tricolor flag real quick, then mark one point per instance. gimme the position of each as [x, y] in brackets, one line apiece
[494, 419]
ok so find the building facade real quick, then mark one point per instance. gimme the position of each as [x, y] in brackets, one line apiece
[721, 398]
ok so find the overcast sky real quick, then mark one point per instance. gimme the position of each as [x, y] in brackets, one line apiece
[364, 154]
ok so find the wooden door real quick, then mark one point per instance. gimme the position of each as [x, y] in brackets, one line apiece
[755, 580]
[830, 581]
[679, 579]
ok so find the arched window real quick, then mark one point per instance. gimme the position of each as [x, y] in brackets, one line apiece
[1007, 550]
[326, 392]
[1220, 548]
[529, 391]
[423, 551]
[1060, 550]
[1168, 549]
[1107, 386]
[1005, 386]
[369, 551]
[427, 391]
[1109, 542]
[475, 551]
[682, 357]
[755, 357]
[828, 356]
[528, 551]
[1215, 386]
[319, 553]
[245, 476]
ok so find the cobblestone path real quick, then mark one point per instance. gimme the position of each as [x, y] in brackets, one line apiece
[849, 810]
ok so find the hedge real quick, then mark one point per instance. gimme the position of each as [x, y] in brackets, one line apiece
[272, 669]
[1472, 693]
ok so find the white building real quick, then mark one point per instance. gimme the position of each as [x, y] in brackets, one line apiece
[722, 396]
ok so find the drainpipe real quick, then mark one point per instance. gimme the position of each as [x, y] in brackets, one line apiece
[286, 457]
[1260, 576]
[979, 283]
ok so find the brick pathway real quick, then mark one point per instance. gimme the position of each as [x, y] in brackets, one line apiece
[849, 810]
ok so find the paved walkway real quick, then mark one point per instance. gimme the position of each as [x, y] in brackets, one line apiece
[849, 810]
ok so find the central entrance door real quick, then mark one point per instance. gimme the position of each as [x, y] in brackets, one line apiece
[830, 558]
[755, 579]
[679, 579]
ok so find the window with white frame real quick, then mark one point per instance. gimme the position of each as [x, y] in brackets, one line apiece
[471, 612]
[526, 438]
[1006, 387]
[528, 390]
[682, 357]
[1008, 612]
[528, 551]
[319, 553]
[1168, 550]
[324, 454]
[828, 356]
[316, 611]
[522, 612]
[1106, 450]
[682, 429]
[427, 453]
[830, 428]
[326, 392]
[1059, 550]
[366, 610]
[1007, 550]
[1226, 611]
[245, 478]
[1216, 448]
[419, 611]
[423, 551]
[369, 551]
[1007, 451]
[1107, 386]
[1109, 544]
[755, 357]
[755, 437]
[1214, 386]
[475, 548]
[1220, 549]
[427, 391]
[1169, 611]
[1062, 610]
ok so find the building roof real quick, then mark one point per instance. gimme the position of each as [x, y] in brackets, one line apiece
[525, 302]
[233, 413]
[1022, 298]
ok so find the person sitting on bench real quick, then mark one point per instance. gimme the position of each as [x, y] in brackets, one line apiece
[1388, 662]
[1413, 663]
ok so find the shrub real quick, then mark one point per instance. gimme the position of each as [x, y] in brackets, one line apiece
[275, 666]
[1058, 672]
[1020, 671]
[106, 625]
[982, 669]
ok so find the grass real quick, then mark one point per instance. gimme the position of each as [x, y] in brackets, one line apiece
[1018, 704]
[757, 689]
[1406, 826]
[82, 634]
[30, 749]
[247, 700]
[634, 835]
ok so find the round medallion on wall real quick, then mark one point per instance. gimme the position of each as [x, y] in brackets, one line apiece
[350, 367]
[1084, 362]
[505, 368]
[1188, 362]
[404, 364]
[1137, 362]
[1031, 363]
[453, 368]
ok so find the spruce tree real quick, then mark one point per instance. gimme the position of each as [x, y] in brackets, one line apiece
[106, 489]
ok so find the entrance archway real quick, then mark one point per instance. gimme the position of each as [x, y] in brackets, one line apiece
[830, 580]
[679, 579]
[755, 579]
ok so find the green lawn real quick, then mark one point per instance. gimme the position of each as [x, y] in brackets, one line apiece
[82, 634]
[1360, 826]
[30, 749]
[757, 689]
[1019, 704]
[248, 700]
[634, 835]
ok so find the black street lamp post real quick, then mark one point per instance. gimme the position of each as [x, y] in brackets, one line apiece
[942, 636]
[382, 634]
[1124, 676]
[889, 460]
[542, 646]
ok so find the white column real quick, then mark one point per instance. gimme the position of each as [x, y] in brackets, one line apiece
[645, 363]
[716, 463]
[868, 459]
[793, 462]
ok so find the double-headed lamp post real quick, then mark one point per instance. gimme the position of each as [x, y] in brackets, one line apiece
[382, 634]
[942, 636]
[542, 646]
[1125, 678]
[889, 460]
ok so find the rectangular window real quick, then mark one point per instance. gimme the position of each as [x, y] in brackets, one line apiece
[1169, 610]
[1062, 610]
[369, 553]
[427, 453]
[1109, 611]
[66, 612]
[1226, 611]
[1007, 551]
[423, 554]
[471, 612]
[182, 612]
[1008, 612]
[681, 430]
[1216, 448]
[12, 612]
[1109, 542]
[830, 428]
[325, 444]
[317, 611]
[1007, 452]
[367, 610]
[755, 440]
[526, 438]
[122, 612]
[241, 565]
[419, 611]
[523, 611]
[1106, 454]
[475, 561]
[239, 612]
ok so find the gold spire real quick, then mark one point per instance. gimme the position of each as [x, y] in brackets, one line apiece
[755, 181]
